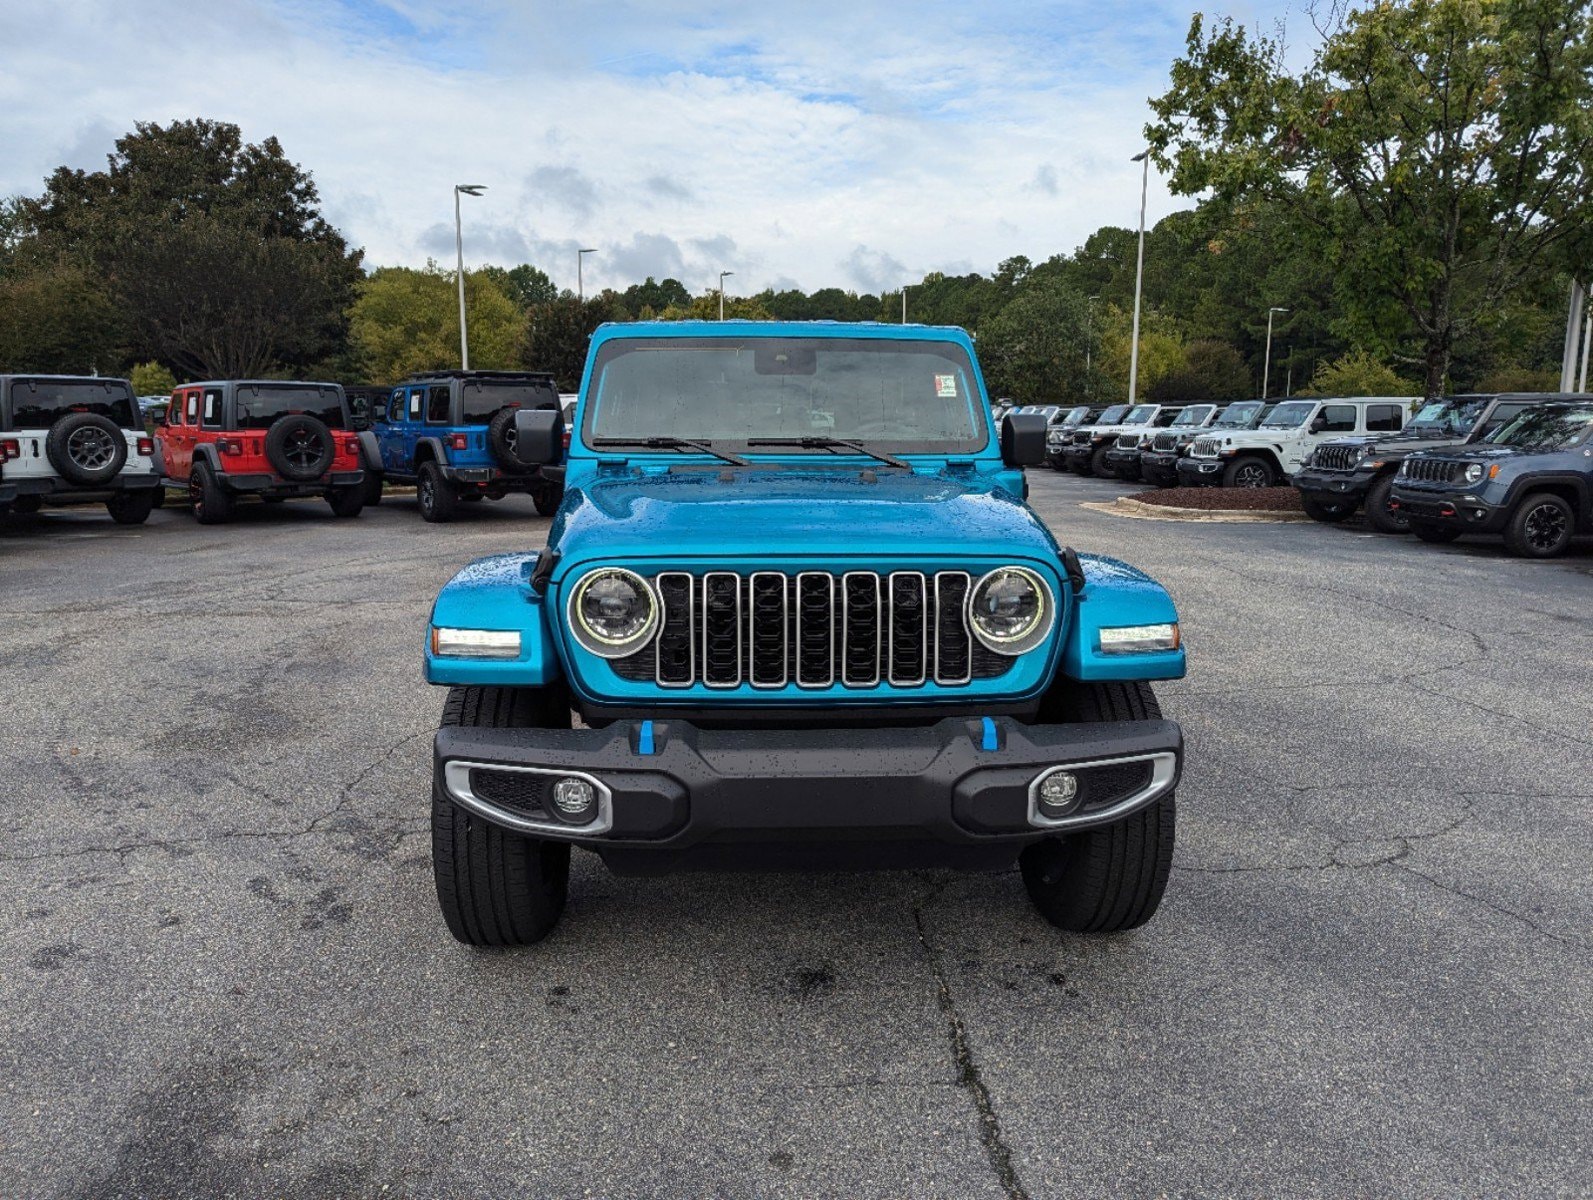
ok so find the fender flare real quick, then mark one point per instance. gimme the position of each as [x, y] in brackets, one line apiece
[496, 593]
[370, 450]
[435, 446]
[1116, 594]
[205, 452]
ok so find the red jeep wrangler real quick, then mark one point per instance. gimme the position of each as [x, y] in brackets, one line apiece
[262, 438]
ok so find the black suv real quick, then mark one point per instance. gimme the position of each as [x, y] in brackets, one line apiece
[1532, 481]
[1346, 473]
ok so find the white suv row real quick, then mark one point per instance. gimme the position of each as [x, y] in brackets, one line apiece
[1267, 455]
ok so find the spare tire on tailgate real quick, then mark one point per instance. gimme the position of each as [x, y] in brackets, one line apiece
[86, 448]
[300, 448]
[501, 440]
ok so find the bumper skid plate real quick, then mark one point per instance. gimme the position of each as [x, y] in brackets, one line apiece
[669, 787]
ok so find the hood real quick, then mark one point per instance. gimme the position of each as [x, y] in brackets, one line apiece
[1487, 453]
[796, 513]
[1398, 443]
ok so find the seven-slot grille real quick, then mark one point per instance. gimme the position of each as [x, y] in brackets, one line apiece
[1432, 470]
[812, 629]
[1165, 441]
[1205, 448]
[1128, 441]
[1082, 437]
[1337, 458]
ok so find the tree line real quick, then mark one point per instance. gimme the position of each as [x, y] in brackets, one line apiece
[1415, 200]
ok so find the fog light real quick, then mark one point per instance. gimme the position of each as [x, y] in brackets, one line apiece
[575, 800]
[1059, 792]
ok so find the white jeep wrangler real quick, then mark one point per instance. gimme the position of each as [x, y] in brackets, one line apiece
[1267, 455]
[67, 439]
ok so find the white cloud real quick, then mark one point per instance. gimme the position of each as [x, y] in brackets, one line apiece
[824, 143]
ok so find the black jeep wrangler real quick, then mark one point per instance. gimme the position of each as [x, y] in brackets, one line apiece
[1347, 473]
[1531, 481]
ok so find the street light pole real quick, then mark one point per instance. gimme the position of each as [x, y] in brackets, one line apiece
[904, 304]
[1587, 348]
[580, 284]
[1139, 277]
[723, 275]
[1266, 371]
[466, 189]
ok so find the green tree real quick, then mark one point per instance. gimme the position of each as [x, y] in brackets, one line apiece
[1435, 154]
[525, 285]
[706, 308]
[59, 320]
[151, 379]
[651, 297]
[1213, 373]
[1358, 373]
[1033, 349]
[407, 320]
[558, 333]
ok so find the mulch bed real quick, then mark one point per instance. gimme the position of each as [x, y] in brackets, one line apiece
[1277, 499]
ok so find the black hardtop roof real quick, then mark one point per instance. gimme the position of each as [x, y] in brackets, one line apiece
[66, 378]
[318, 383]
[537, 376]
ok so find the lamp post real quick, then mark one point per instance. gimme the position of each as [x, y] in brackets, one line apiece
[904, 304]
[1266, 371]
[580, 284]
[465, 189]
[723, 275]
[1139, 277]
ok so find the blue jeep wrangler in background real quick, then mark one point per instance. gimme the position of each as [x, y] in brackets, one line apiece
[796, 600]
[451, 435]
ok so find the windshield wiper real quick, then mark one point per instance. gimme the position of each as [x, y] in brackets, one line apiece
[673, 443]
[832, 443]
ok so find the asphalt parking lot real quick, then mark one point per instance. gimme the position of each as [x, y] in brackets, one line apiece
[223, 972]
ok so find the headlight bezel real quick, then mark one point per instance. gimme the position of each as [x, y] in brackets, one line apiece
[595, 642]
[1037, 634]
[1469, 478]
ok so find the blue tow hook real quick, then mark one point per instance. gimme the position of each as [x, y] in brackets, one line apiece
[644, 739]
[990, 741]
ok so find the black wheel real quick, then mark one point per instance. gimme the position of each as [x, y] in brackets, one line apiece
[372, 488]
[1439, 535]
[1249, 473]
[1541, 527]
[1112, 878]
[86, 448]
[497, 887]
[1381, 517]
[1098, 465]
[1325, 510]
[211, 504]
[347, 501]
[300, 448]
[547, 497]
[435, 495]
[502, 439]
[27, 505]
[131, 508]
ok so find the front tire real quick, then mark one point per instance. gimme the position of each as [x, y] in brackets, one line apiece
[347, 501]
[1541, 527]
[1381, 517]
[497, 887]
[435, 495]
[1249, 472]
[547, 498]
[1326, 511]
[1098, 467]
[1112, 878]
[131, 508]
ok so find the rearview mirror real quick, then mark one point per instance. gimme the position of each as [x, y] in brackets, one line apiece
[538, 436]
[1023, 439]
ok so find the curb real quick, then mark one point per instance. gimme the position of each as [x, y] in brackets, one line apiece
[1138, 510]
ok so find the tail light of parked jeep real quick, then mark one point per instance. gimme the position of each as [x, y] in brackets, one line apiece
[230, 446]
[459, 441]
[146, 447]
[10, 448]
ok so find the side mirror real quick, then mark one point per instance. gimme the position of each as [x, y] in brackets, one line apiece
[538, 436]
[1319, 423]
[1023, 439]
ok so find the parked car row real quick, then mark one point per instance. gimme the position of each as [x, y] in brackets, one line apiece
[450, 434]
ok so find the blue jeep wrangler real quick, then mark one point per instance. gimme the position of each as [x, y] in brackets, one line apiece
[793, 611]
[451, 435]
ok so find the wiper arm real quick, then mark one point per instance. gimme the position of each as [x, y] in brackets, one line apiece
[832, 443]
[673, 443]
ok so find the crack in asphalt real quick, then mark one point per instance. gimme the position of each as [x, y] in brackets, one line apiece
[968, 1074]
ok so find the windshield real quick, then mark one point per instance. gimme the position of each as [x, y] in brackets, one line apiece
[1238, 416]
[260, 406]
[39, 403]
[1194, 416]
[907, 396]
[1112, 415]
[1141, 414]
[480, 401]
[1447, 416]
[1287, 416]
[1073, 416]
[1547, 428]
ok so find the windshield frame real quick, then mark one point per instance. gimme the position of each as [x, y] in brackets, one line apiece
[955, 353]
[1310, 407]
[1184, 421]
[1251, 407]
[1150, 411]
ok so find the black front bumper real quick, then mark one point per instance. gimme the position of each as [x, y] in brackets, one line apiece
[1200, 472]
[278, 486]
[1122, 463]
[1335, 487]
[956, 793]
[1159, 467]
[1450, 508]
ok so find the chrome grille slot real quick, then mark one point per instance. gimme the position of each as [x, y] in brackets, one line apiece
[1165, 441]
[721, 629]
[1204, 448]
[860, 629]
[1337, 458]
[909, 629]
[1128, 441]
[766, 632]
[677, 641]
[953, 661]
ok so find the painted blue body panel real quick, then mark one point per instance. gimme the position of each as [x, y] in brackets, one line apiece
[656, 511]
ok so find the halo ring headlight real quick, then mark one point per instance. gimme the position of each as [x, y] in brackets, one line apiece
[1010, 610]
[612, 612]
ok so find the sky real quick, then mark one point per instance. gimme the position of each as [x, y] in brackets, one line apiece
[821, 144]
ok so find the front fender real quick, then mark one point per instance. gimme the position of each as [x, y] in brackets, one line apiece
[1117, 594]
[495, 593]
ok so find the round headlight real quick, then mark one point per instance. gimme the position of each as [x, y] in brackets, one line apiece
[1010, 610]
[1474, 473]
[613, 612]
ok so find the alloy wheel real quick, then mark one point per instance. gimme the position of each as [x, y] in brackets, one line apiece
[1545, 526]
[90, 448]
[302, 448]
[1250, 475]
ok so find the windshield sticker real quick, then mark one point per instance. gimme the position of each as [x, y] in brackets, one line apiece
[946, 387]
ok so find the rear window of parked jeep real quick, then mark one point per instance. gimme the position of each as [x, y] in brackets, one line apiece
[261, 406]
[480, 402]
[37, 403]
